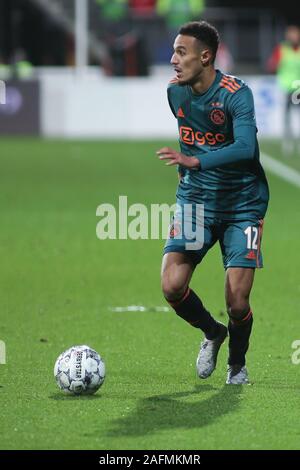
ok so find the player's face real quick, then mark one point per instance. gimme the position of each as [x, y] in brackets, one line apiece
[188, 58]
[293, 35]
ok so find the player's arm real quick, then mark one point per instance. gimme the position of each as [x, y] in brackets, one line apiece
[166, 153]
[243, 147]
[177, 158]
[241, 108]
[169, 95]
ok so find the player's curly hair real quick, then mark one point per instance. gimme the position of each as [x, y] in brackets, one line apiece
[206, 33]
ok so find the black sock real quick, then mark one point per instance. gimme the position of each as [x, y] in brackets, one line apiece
[239, 334]
[191, 309]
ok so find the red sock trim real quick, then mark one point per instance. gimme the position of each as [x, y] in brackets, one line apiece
[247, 317]
[242, 320]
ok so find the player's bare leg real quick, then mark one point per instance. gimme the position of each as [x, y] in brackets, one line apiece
[177, 270]
[238, 286]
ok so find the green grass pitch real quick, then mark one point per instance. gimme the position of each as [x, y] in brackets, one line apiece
[59, 282]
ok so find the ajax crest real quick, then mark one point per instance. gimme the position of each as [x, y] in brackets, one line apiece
[217, 116]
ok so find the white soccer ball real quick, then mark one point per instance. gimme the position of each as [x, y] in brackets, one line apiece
[79, 370]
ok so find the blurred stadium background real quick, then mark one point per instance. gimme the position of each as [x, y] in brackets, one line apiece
[83, 110]
[68, 56]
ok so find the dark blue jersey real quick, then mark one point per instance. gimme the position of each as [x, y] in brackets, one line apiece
[218, 127]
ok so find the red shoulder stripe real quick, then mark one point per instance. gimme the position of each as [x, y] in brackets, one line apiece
[230, 78]
[224, 85]
[233, 83]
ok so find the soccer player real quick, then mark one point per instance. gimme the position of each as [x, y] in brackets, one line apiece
[218, 167]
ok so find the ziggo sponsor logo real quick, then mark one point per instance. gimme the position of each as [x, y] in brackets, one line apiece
[189, 136]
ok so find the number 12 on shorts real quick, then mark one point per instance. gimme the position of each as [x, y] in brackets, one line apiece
[252, 237]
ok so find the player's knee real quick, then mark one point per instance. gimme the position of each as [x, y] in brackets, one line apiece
[237, 308]
[173, 289]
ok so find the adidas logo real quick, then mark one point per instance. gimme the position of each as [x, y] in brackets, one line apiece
[180, 113]
[251, 255]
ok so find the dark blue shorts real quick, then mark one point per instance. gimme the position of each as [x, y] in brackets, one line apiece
[240, 240]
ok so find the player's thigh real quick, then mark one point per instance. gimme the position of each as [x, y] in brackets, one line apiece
[240, 242]
[180, 239]
[238, 285]
[176, 272]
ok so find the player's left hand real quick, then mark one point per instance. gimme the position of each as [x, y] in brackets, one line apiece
[177, 158]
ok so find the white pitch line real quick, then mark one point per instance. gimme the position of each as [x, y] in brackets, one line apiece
[139, 308]
[280, 169]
